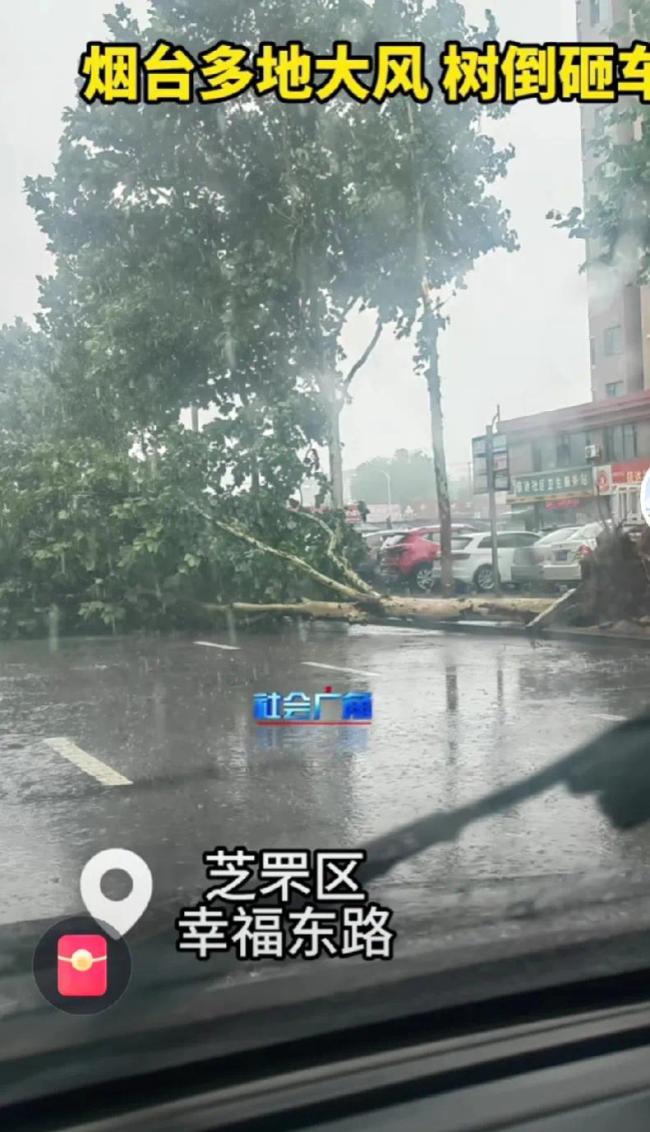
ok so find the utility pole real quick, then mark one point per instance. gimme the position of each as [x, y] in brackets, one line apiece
[489, 459]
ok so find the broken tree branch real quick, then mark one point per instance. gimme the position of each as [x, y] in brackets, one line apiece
[292, 559]
[285, 556]
[549, 614]
[339, 559]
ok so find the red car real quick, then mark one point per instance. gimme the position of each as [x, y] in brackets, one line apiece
[408, 557]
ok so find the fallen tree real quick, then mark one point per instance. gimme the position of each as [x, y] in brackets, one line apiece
[92, 538]
[615, 588]
[364, 605]
[382, 609]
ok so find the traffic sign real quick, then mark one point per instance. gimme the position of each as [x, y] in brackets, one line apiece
[500, 463]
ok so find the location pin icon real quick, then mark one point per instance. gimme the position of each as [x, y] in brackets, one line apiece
[118, 915]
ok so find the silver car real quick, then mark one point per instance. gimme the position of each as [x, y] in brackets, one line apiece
[528, 560]
[375, 540]
[564, 566]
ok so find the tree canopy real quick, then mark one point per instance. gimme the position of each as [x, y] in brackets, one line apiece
[209, 256]
[410, 479]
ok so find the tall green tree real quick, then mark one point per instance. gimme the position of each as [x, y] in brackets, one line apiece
[434, 166]
[210, 255]
[186, 277]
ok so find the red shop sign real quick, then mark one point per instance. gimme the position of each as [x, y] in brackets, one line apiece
[561, 504]
[632, 471]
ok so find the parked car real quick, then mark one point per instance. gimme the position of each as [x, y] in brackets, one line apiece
[528, 561]
[472, 558]
[374, 541]
[564, 566]
[408, 558]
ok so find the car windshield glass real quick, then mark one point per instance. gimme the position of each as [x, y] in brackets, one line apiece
[311, 319]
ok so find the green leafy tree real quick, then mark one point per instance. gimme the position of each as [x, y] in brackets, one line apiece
[407, 476]
[28, 403]
[183, 277]
[211, 255]
[97, 539]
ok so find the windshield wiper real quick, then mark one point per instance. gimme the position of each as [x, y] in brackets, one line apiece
[615, 767]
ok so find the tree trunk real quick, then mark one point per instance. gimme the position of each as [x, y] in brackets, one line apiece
[335, 455]
[429, 353]
[430, 337]
[194, 413]
[421, 610]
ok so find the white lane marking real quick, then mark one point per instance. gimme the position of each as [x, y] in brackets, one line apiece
[213, 645]
[88, 763]
[336, 668]
[613, 718]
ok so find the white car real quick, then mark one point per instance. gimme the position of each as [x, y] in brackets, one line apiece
[528, 562]
[564, 565]
[472, 557]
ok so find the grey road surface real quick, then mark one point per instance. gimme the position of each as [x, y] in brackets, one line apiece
[149, 744]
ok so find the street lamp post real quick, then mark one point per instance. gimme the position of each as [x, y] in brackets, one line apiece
[390, 499]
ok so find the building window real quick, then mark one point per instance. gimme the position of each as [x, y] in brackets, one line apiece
[629, 442]
[620, 443]
[592, 351]
[614, 389]
[563, 451]
[613, 341]
[579, 441]
[594, 12]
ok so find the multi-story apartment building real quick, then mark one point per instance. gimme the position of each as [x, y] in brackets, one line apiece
[575, 464]
[619, 310]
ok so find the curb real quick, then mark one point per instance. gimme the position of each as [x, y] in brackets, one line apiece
[485, 628]
[595, 636]
[515, 629]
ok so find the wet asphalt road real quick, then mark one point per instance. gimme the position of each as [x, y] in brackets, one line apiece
[455, 716]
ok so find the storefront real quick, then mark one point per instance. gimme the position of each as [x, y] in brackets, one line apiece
[620, 484]
[556, 498]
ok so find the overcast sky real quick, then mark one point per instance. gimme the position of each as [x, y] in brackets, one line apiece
[518, 334]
